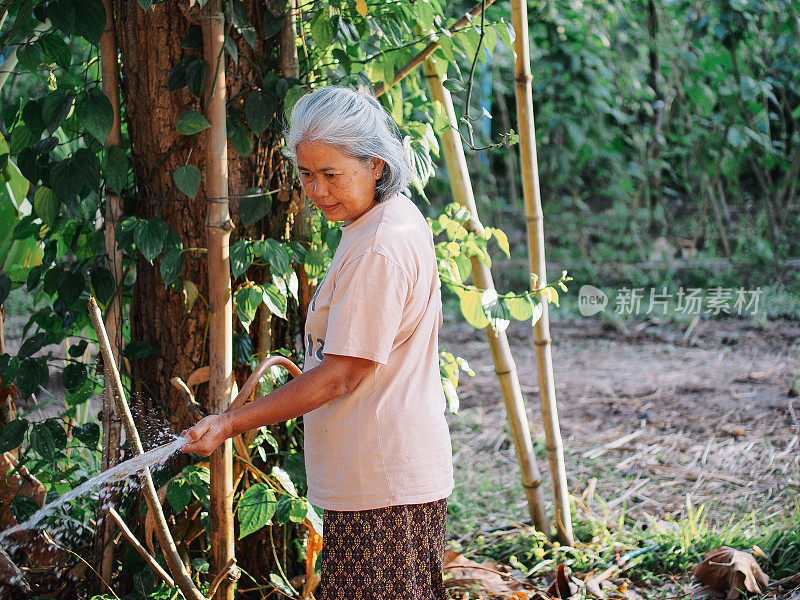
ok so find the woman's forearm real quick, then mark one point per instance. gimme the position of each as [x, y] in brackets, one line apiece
[334, 377]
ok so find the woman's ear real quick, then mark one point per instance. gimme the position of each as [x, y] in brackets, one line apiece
[377, 165]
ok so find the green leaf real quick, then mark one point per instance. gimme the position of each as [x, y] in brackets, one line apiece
[284, 479]
[194, 38]
[43, 442]
[62, 15]
[32, 344]
[150, 236]
[29, 57]
[187, 179]
[115, 168]
[13, 435]
[195, 75]
[284, 586]
[472, 309]
[95, 113]
[258, 110]
[86, 169]
[177, 77]
[279, 257]
[179, 494]
[56, 49]
[88, 433]
[292, 96]
[74, 376]
[275, 300]
[32, 373]
[270, 25]
[191, 122]
[240, 139]
[495, 308]
[520, 308]
[56, 106]
[46, 203]
[256, 508]
[171, 266]
[80, 395]
[322, 30]
[5, 286]
[241, 257]
[20, 138]
[254, 206]
[291, 509]
[102, 284]
[242, 348]
[90, 20]
[247, 301]
[502, 240]
[78, 349]
[138, 349]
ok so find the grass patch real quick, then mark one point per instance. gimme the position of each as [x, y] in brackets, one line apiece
[658, 548]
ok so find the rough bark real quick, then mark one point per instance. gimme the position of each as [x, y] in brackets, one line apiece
[149, 45]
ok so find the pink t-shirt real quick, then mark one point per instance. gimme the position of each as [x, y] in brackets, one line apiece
[387, 442]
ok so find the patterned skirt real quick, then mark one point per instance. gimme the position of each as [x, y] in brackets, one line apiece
[392, 553]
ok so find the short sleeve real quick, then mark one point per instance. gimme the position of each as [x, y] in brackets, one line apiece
[366, 308]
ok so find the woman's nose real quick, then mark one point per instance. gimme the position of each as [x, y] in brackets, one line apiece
[319, 187]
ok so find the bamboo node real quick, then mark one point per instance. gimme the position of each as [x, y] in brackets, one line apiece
[533, 485]
[544, 342]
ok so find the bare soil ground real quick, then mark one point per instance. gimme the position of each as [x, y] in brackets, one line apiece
[652, 416]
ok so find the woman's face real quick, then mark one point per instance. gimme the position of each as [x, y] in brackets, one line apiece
[341, 186]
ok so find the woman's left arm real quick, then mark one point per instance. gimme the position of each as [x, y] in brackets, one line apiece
[333, 377]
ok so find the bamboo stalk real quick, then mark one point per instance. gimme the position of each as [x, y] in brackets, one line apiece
[220, 331]
[115, 516]
[535, 227]
[174, 563]
[113, 318]
[425, 54]
[504, 364]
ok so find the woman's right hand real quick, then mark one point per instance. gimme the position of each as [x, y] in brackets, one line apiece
[207, 435]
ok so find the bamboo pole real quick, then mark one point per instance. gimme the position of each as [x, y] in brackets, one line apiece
[113, 318]
[174, 563]
[220, 330]
[534, 218]
[425, 54]
[504, 364]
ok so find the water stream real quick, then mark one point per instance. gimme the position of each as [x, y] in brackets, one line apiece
[119, 472]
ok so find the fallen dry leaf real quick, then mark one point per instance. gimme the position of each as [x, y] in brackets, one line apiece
[489, 576]
[562, 587]
[728, 571]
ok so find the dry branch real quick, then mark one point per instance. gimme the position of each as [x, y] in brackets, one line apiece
[426, 53]
[174, 562]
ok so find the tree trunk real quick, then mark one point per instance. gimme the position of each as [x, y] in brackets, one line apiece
[149, 44]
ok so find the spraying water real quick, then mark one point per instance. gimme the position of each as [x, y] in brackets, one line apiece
[126, 469]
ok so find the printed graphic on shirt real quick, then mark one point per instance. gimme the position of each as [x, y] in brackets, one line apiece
[310, 348]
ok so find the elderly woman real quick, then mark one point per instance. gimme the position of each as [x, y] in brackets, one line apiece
[377, 446]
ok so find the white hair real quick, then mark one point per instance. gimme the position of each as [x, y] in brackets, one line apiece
[356, 123]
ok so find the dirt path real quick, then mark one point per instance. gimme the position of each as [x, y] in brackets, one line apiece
[652, 417]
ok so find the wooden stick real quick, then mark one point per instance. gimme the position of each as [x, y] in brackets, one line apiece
[409, 67]
[220, 312]
[533, 211]
[112, 427]
[174, 562]
[115, 516]
[504, 364]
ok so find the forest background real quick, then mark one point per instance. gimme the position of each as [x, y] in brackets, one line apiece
[668, 151]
